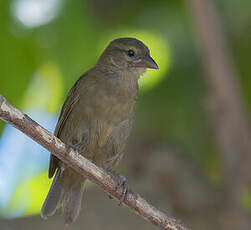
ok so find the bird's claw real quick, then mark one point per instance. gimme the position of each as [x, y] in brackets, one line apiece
[121, 182]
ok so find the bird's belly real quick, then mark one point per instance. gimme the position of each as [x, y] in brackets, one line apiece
[95, 122]
[112, 117]
[100, 121]
[117, 113]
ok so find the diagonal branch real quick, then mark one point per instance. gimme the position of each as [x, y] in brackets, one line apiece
[68, 155]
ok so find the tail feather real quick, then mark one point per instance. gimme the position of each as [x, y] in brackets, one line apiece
[71, 204]
[65, 195]
[54, 196]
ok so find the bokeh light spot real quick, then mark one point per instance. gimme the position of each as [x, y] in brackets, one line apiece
[33, 13]
[45, 89]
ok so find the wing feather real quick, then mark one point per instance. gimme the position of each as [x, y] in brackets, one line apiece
[66, 110]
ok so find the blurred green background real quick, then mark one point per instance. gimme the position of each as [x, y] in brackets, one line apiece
[172, 158]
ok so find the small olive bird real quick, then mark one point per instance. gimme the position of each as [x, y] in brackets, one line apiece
[96, 119]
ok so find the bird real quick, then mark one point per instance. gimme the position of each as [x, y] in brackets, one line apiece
[96, 120]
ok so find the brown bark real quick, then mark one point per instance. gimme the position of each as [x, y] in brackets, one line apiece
[68, 155]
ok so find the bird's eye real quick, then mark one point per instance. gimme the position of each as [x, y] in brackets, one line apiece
[130, 53]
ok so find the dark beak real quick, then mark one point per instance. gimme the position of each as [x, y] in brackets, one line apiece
[146, 62]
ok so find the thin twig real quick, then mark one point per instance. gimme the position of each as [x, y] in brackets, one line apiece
[68, 155]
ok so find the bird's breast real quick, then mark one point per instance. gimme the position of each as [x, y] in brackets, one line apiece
[105, 108]
[113, 110]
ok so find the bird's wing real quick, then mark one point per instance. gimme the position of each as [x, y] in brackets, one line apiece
[66, 110]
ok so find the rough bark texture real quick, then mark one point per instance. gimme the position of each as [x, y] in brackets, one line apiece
[135, 202]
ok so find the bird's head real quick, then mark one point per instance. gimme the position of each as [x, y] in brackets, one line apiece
[127, 54]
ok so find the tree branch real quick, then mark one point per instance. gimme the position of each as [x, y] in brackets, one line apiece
[68, 155]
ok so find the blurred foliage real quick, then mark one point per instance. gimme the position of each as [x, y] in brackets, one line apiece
[29, 196]
[247, 200]
[171, 109]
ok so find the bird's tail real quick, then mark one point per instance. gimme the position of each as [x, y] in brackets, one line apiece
[67, 197]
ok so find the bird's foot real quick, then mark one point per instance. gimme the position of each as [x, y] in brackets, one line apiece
[79, 147]
[121, 182]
